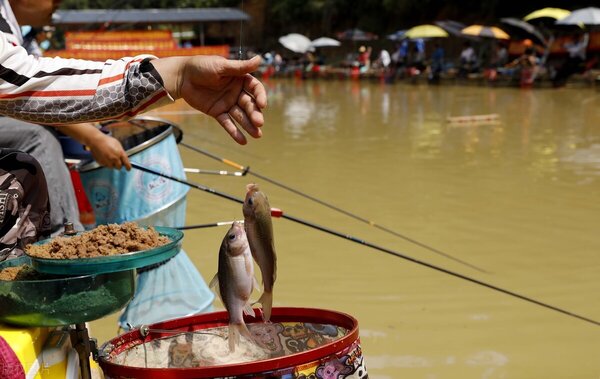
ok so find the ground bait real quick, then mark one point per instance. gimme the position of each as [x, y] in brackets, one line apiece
[23, 272]
[104, 240]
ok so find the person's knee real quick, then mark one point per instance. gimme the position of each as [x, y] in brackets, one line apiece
[45, 143]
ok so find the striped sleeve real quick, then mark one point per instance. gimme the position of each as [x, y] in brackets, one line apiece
[58, 91]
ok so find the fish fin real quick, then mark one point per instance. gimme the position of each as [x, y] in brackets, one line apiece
[255, 284]
[249, 311]
[235, 330]
[214, 285]
[266, 300]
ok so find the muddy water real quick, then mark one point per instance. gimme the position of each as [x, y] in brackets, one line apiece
[516, 196]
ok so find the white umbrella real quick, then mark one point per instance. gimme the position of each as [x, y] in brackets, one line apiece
[325, 42]
[586, 16]
[296, 42]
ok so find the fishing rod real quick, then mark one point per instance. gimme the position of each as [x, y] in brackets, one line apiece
[215, 172]
[328, 205]
[208, 225]
[278, 213]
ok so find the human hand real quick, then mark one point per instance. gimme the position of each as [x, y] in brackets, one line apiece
[108, 152]
[218, 87]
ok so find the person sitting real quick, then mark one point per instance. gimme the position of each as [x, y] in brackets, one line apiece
[526, 65]
[41, 142]
[576, 49]
[468, 60]
[364, 58]
[437, 64]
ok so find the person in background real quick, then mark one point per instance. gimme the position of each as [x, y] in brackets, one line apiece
[416, 58]
[468, 60]
[364, 58]
[498, 61]
[526, 65]
[384, 59]
[574, 64]
[437, 63]
[500, 57]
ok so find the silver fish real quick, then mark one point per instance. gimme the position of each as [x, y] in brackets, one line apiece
[235, 281]
[259, 229]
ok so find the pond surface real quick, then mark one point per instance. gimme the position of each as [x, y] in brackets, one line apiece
[516, 195]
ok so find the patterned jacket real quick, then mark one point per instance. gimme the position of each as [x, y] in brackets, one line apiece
[57, 91]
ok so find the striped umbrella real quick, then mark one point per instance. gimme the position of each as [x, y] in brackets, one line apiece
[485, 31]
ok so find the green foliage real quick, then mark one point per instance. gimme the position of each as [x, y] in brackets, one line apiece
[326, 17]
[143, 4]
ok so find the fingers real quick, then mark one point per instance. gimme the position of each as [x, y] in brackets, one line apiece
[241, 117]
[227, 123]
[114, 160]
[125, 161]
[256, 89]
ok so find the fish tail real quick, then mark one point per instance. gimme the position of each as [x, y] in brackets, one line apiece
[266, 300]
[235, 330]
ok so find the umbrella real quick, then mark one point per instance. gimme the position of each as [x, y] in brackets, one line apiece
[325, 42]
[452, 27]
[555, 13]
[586, 16]
[397, 35]
[356, 35]
[425, 31]
[526, 27]
[296, 42]
[485, 31]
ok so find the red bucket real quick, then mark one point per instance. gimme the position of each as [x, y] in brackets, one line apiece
[298, 343]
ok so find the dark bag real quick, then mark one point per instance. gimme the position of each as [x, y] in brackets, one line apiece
[24, 203]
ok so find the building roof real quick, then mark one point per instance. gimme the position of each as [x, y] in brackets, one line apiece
[147, 16]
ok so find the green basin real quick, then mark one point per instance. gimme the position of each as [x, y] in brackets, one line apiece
[63, 300]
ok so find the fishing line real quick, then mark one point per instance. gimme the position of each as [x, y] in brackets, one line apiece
[240, 56]
[330, 206]
[280, 214]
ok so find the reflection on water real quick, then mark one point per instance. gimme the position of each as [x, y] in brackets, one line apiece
[517, 197]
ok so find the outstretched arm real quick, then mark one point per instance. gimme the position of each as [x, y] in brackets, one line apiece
[58, 91]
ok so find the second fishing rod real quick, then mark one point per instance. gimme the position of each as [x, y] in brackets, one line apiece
[249, 171]
[280, 214]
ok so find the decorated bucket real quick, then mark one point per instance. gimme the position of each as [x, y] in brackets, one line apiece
[120, 195]
[298, 343]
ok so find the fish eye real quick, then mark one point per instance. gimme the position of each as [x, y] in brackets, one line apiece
[250, 202]
[232, 236]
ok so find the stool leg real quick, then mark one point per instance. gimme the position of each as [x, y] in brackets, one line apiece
[80, 340]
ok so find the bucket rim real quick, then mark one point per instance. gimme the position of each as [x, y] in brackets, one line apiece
[217, 319]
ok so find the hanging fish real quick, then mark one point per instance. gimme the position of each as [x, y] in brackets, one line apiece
[234, 282]
[259, 229]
